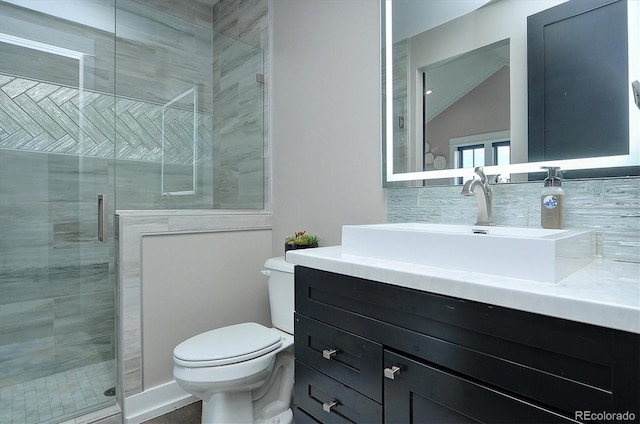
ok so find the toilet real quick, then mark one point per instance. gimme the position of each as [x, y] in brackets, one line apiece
[243, 373]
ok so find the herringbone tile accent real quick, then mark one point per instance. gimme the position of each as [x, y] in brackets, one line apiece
[42, 117]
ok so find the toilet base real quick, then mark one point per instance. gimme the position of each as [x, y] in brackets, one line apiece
[237, 408]
[233, 407]
[285, 417]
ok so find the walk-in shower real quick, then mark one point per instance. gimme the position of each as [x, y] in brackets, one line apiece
[116, 99]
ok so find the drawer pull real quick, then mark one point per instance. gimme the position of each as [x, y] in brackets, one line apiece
[328, 407]
[391, 373]
[329, 353]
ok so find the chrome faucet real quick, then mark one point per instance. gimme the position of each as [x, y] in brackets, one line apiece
[484, 194]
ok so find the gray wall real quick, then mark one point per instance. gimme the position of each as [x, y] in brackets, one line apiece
[326, 118]
[212, 280]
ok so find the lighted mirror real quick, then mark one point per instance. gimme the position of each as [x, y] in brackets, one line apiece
[456, 94]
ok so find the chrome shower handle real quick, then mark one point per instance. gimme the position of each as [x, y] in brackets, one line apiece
[103, 218]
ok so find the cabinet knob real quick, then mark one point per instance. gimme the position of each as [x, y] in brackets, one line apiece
[391, 373]
[328, 407]
[329, 353]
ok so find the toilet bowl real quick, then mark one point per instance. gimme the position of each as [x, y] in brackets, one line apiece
[243, 373]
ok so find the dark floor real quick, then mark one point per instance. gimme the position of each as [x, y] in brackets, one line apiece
[189, 414]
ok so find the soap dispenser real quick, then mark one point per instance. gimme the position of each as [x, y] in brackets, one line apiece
[552, 200]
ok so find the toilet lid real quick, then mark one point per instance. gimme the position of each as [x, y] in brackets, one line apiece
[228, 345]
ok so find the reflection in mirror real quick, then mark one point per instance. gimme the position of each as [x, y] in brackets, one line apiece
[418, 149]
[466, 109]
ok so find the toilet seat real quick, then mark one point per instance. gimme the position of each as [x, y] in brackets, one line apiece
[227, 345]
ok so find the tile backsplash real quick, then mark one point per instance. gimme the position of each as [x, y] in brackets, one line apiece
[611, 207]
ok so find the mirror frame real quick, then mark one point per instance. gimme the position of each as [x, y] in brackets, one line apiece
[630, 160]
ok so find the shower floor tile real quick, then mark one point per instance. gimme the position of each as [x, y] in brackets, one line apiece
[59, 396]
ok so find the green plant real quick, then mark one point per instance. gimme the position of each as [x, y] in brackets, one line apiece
[301, 238]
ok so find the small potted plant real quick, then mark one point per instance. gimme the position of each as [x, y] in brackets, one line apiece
[300, 240]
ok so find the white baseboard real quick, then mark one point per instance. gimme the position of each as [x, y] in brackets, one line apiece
[154, 402]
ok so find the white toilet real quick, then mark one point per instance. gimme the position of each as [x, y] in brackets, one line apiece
[244, 373]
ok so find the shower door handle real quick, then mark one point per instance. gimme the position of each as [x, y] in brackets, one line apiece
[103, 218]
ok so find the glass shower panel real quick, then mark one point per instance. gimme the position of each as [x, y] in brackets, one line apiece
[67, 134]
[238, 125]
[163, 110]
[57, 281]
[204, 150]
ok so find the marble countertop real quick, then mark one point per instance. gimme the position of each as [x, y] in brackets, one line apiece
[604, 293]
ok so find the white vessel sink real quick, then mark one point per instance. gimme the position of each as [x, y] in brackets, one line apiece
[527, 253]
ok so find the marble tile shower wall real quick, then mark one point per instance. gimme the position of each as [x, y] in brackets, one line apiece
[244, 20]
[609, 206]
[238, 126]
[240, 176]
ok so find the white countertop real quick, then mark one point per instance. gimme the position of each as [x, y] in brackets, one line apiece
[604, 293]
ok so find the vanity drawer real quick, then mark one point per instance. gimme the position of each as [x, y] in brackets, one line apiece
[350, 359]
[424, 394]
[329, 401]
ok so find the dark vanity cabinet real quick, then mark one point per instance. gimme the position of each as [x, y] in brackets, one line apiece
[370, 352]
[578, 82]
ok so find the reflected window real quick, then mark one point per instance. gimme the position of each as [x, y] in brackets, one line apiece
[502, 156]
[501, 153]
[471, 155]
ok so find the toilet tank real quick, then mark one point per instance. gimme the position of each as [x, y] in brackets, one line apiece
[281, 291]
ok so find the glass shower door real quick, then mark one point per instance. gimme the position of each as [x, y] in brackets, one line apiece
[57, 280]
